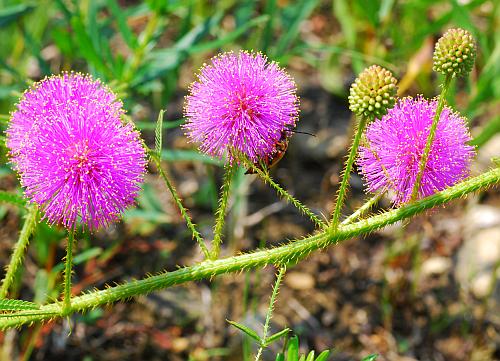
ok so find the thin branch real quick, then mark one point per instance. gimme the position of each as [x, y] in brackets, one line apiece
[282, 192]
[293, 251]
[178, 202]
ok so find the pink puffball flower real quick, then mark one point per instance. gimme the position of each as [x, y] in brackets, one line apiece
[240, 102]
[75, 158]
[395, 144]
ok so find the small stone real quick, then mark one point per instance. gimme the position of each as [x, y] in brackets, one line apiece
[299, 281]
[435, 266]
[478, 256]
[481, 284]
[481, 217]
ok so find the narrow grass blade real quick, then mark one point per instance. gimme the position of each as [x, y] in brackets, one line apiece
[12, 198]
[13, 13]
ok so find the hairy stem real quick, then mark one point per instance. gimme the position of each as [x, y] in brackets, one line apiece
[178, 202]
[361, 210]
[347, 174]
[430, 137]
[19, 250]
[287, 253]
[270, 309]
[282, 192]
[221, 210]
[68, 270]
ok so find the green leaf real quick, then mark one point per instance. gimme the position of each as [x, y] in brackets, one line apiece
[210, 45]
[12, 13]
[159, 133]
[246, 330]
[188, 155]
[276, 336]
[347, 20]
[310, 357]
[145, 125]
[17, 305]
[121, 20]
[280, 357]
[85, 44]
[12, 198]
[93, 29]
[372, 357]
[80, 258]
[491, 128]
[302, 358]
[385, 9]
[62, 38]
[41, 286]
[158, 62]
[323, 356]
[293, 349]
[298, 14]
[268, 34]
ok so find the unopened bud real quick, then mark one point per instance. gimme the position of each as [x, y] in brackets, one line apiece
[455, 53]
[373, 93]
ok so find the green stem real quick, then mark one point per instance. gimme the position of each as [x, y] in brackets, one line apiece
[270, 310]
[430, 137]
[19, 250]
[347, 173]
[178, 202]
[139, 52]
[221, 210]
[288, 197]
[67, 273]
[361, 210]
[290, 252]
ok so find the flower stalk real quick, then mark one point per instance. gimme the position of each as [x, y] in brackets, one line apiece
[270, 309]
[229, 170]
[430, 137]
[372, 94]
[346, 174]
[68, 270]
[177, 199]
[264, 175]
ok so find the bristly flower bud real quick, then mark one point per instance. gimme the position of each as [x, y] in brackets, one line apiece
[373, 93]
[455, 53]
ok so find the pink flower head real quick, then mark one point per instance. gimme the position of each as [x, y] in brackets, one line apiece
[75, 157]
[395, 144]
[242, 102]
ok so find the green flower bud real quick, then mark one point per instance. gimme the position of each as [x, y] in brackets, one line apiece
[373, 93]
[455, 53]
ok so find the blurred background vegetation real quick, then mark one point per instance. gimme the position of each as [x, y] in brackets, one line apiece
[367, 296]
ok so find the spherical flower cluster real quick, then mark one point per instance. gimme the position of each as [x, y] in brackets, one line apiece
[373, 92]
[455, 53]
[394, 146]
[241, 103]
[75, 157]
